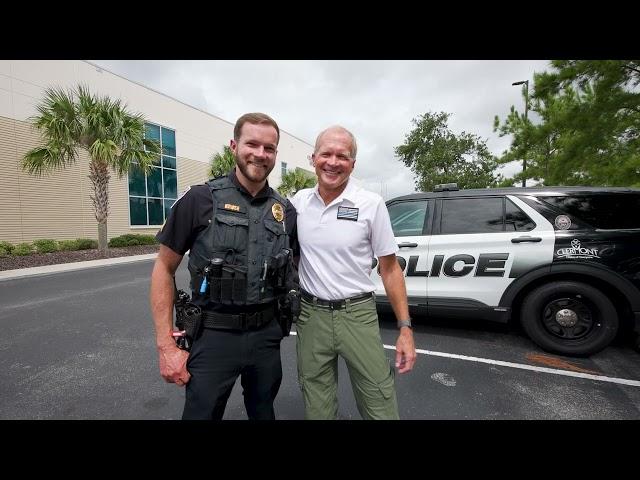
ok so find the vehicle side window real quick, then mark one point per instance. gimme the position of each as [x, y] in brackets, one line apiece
[516, 220]
[472, 215]
[407, 218]
[603, 210]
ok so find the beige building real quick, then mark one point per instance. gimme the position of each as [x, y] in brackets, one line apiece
[58, 205]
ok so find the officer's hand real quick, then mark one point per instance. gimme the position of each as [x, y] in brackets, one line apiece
[173, 364]
[405, 350]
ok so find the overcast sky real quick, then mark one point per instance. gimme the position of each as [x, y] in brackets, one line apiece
[375, 99]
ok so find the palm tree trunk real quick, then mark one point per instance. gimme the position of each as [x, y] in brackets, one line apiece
[99, 176]
[102, 238]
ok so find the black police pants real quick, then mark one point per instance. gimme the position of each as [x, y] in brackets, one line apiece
[217, 358]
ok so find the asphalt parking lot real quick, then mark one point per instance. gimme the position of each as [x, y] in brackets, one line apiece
[80, 345]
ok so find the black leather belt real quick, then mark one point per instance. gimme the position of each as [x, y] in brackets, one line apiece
[240, 321]
[333, 304]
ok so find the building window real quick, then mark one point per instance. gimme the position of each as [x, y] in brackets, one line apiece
[283, 172]
[151, 195]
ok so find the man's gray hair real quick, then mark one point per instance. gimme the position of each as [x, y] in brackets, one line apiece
[338, 128]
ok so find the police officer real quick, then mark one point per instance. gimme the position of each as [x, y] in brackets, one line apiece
[234, 227]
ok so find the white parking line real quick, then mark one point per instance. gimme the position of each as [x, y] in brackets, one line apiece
[554, 371]
[566, 373]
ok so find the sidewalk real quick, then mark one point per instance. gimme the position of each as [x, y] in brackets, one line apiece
[68, 267]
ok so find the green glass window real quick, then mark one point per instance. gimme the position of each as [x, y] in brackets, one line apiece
[154, 182]
[168, 162]
[168, 142]
[156, 211]
[152, 132]
[167, 207]
[152, 195]
[138, 209]
[137, 182]
[170, 183]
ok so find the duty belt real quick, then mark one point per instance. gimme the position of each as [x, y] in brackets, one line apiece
[333, 304]
[240, 321]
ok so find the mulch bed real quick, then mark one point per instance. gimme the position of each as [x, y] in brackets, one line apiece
[42, 259]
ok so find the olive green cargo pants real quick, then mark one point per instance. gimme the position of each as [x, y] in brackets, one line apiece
[353, 333]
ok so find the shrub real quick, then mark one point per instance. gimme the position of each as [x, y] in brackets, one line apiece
[86, 243]
[68, 245]
[22, 249]
[45, 245]
[6, 248]
[131, 240]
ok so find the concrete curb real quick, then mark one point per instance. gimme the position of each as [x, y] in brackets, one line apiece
[68, 267]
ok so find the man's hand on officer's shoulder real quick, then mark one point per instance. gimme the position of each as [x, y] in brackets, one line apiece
[405, 350]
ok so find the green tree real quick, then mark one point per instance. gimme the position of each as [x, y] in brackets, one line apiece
[222, 163]
[114, 139]
[540, 143]
[589, 127]
[436, 155]
[295, 180]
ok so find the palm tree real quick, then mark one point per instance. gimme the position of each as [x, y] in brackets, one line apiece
[114, 138]
[295, 180]
[222, 163]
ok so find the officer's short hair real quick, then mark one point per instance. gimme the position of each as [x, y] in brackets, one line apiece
[354, 146]
[255, 118]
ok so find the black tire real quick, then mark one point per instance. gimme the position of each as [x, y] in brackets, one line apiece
[569, 318]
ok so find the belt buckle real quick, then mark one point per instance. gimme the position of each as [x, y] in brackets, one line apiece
[251, 321]
[335, 304]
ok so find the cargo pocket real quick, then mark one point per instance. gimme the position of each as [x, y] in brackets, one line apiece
[377, 400]
[387, 386]
[231, 232]
[276, 239]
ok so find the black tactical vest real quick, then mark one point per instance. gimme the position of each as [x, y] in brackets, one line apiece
[243, 232]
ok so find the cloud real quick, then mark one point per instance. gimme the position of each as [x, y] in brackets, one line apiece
[375, 99]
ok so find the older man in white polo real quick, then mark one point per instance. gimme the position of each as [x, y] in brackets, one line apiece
[341, 228]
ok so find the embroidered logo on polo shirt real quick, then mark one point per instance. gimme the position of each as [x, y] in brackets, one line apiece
[229, 206]
[347, 213]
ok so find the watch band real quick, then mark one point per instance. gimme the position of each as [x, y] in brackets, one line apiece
[404, 323]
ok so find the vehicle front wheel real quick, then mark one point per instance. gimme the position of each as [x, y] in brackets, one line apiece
[569, 318]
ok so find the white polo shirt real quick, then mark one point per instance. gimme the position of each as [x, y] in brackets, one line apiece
[339, 241]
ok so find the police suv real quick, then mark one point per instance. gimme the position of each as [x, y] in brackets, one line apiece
[563, 261]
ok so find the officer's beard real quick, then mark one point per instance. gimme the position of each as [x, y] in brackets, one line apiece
[255, 172]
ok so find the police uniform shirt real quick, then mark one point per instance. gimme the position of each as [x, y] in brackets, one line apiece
[192, 213]
[339, 241]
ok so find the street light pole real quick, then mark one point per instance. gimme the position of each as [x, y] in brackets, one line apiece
[526, 110]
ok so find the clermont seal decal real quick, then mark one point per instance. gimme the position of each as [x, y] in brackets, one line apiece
[562, 222]
[577, 251]
[278, 212]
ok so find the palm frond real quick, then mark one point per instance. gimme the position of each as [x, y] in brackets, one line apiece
[52, 156]
[221, 163]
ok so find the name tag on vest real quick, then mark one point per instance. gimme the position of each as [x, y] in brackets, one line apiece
[347, 213]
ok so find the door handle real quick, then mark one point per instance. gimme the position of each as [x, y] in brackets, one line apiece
[526, 239]
[407, 244]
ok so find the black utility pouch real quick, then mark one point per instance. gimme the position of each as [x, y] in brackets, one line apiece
[215, 289]
[239, 293]
[226, 285]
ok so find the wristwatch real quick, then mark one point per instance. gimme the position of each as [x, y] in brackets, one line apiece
[405, 323]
